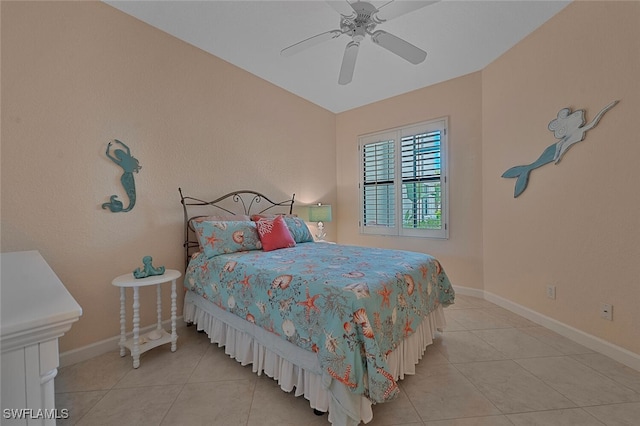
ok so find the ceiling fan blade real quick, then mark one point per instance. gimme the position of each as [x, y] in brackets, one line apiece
[396, 45]
[311, 41]
[343, 7]
[348, 62]
[396, 8]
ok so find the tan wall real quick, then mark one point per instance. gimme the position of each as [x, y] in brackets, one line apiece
[76, 75]
[577, 225]
[461, 101]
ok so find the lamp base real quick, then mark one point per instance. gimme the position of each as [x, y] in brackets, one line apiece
[321, 233]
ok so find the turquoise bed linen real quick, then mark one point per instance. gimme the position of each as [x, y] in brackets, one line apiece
[351, 305]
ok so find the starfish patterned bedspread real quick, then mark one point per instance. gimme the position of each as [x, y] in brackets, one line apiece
[351, 305]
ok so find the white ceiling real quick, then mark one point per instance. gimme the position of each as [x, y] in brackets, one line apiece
[459, 36]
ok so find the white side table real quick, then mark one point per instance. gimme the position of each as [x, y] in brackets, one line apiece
[139, 344]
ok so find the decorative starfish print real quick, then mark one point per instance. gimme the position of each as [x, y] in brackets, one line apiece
[407, 327]
[385, 293]
[392, 386]
[212, 240]
[344, 379]
[245, 282]
[204, 268]
[310, 303]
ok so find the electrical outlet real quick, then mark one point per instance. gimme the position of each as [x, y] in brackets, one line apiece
[551, 292]
[606, 311]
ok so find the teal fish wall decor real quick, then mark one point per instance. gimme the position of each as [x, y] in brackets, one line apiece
[148, 270]
[129, 164]
[569, 127]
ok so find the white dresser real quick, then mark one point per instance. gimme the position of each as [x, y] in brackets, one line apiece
[36, 309]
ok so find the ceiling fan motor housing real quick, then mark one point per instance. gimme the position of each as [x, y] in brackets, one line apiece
[362, 23]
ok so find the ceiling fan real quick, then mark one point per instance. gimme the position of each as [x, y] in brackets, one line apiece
[358, 19]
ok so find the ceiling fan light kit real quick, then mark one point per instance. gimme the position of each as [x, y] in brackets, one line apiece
[358, 19]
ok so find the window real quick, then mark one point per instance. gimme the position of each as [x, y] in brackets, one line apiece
[403, 181]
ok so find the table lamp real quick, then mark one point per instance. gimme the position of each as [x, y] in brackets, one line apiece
[320, 213]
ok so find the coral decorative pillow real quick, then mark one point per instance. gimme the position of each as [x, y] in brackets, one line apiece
[219, 237]
[299, 230]
[274, 234]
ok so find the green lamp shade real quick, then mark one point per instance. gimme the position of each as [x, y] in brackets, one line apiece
[320, 213]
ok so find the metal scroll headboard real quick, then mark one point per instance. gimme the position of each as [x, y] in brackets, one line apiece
[243, 202]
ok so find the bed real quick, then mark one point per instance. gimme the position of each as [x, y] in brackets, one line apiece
[337, 324]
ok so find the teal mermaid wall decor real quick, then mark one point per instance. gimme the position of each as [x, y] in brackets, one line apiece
[148, 270]
[129, 164]
[569, 127]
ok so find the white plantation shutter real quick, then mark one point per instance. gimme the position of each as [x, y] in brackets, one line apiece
[403, 181]
[378, 184]
[379, 193]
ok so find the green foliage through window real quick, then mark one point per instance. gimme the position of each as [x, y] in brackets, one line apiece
[422, 207]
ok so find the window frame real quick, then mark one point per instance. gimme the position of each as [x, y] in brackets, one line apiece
[395, 137]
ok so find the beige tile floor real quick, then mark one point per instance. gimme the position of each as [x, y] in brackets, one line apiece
[490, 367]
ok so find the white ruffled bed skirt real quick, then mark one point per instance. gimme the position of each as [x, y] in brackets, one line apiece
[298, 369]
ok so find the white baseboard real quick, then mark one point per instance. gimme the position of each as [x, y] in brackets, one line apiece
[468, 291]
[620, 354]
[111, 344]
